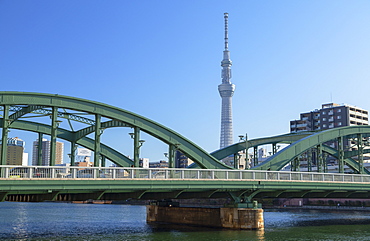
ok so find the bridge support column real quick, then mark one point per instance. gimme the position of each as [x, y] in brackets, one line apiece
[4, 137]
[320, 162]
[325, 156]
[250, 218]
[246, 167]
[136, 147]
[73, 152]
[255, 156]
[294, 166]
[98, 133]
[360, 156]
[53, 135]
[236, 160]
[309, 160]
[341, 155]
[39, 150]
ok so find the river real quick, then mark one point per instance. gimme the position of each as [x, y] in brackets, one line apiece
[67, 221]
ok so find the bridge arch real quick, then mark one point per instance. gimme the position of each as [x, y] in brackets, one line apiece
[285, 156]
[240, 146]
[16, 105]
[291, 138]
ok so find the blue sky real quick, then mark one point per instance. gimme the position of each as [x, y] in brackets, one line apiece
[161, 59]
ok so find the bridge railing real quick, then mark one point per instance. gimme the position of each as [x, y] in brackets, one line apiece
[35, 172]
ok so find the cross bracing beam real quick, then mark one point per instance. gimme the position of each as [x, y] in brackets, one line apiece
[168, 136]
[20, 111]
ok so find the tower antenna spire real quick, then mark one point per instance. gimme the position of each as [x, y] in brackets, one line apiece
[226, 90]
[226, 16]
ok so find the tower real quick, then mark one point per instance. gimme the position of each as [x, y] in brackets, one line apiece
[45, 157]
[226, 90]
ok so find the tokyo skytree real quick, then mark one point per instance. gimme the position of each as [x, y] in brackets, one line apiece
[226, 90]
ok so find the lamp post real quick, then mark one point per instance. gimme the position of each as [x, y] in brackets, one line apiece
[137, 144]
[237, 159]
[171, 154]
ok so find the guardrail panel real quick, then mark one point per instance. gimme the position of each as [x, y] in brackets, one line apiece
[35, 172]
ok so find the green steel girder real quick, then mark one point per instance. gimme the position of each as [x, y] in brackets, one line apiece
[194, 152]
[282, 158]
[177, 188]
[235, 148]
[87, 142]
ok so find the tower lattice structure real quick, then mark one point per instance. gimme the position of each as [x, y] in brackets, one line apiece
[226, 90]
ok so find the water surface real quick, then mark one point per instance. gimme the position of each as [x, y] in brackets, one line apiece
[67, 221]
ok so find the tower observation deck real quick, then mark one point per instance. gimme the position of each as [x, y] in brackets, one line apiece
[226, 90]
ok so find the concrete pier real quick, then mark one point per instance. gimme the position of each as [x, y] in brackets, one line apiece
[229, 217]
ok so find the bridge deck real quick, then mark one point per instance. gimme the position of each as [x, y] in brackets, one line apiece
[123, 183]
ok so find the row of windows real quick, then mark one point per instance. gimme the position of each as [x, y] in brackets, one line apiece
[357, 110]
[330, 112]
[331, 125]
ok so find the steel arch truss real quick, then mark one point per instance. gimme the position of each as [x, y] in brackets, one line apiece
[300, 143]
[288, 154]
[17, 106]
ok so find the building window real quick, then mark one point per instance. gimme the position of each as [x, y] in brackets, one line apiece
[324, 126]
[339, 117]
[339, 110]
[339, 123]
[323, 119]
[323, 112]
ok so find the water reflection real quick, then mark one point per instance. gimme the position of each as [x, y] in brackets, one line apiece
[20, 221]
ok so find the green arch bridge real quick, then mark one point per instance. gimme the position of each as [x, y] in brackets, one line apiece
[28, 111]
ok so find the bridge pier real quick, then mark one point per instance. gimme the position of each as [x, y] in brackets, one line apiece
[238, 216]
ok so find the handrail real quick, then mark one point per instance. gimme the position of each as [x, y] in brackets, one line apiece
[73, 172]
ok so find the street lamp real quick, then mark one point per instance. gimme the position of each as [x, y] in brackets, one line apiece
[241, 139]
[141, 142]
[58, 122]
[137, 144]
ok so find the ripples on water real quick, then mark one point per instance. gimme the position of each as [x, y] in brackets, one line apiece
[66, 221]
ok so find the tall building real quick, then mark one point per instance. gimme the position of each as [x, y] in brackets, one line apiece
[330, 116]
[15, 152]
[226, 90]
[46, 152]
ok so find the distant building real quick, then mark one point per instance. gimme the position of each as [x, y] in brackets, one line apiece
[330, 116]
[15, 152]
[46, 152]
[144, 162]
[85, 163]
[182, 161]
[160, 164]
